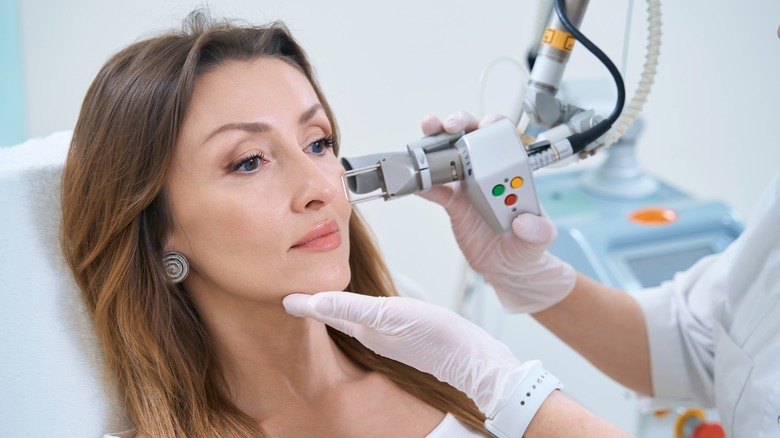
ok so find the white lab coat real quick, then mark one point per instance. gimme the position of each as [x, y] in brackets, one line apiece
[714, 331]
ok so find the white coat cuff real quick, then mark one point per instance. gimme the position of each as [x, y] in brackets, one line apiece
[671, 383]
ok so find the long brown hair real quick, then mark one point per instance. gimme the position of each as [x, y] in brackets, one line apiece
[115, 219]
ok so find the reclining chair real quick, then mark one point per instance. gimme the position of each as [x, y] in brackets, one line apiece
[52, 381]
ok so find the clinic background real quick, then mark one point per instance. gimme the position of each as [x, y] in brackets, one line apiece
[710, 123]
[710, 120]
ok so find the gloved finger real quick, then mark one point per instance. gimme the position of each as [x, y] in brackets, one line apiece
[431, 125]
[460, 121]
[298, 305]
[490, 119]
[537, 230]
[441, 195]
[356, 308]
[303, 305]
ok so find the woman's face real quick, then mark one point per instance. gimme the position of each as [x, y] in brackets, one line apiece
[255, 189]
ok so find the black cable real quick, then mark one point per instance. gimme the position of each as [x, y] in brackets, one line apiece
[580, 141]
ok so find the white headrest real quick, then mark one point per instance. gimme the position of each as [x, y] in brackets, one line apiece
[51, 365]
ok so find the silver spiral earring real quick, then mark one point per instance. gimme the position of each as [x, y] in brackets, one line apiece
[176, 266]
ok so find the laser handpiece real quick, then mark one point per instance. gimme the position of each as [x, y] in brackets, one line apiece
[492, 164]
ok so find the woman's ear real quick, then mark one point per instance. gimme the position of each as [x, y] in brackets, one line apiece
[168, 244]
[173, 240]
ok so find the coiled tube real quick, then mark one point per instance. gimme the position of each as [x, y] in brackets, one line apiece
[634, 107]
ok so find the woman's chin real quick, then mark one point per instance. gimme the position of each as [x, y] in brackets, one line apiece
[333, 280]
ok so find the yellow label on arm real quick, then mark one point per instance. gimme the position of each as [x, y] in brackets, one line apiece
[558, 39]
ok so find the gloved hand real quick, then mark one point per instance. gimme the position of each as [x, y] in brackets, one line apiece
[430, 338]
[525, 276]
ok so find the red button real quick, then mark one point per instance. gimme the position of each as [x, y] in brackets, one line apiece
[510, 200]
[709, 430]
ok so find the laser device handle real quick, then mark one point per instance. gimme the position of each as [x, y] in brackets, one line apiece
[491, 163]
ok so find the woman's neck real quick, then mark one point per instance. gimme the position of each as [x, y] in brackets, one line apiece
[274, 362]
[287, 374]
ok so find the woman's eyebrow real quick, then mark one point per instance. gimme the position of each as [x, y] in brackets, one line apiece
[309, 113]
[261, 127]
[251, 127]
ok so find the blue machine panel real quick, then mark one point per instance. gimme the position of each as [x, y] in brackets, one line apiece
[598, 237]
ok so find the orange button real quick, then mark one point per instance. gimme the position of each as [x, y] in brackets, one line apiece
[516, 182]
[660, 413]
[653, 216]
[510, 199]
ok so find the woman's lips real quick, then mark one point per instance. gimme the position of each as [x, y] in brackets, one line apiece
[322, 237]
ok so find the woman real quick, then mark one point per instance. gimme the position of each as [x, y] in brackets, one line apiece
[214, 149]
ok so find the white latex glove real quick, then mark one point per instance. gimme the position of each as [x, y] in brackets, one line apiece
[525, 276]
[427, 337]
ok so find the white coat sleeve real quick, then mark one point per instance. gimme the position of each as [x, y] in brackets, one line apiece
[680, 315]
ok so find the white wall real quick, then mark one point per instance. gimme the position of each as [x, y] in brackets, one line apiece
[12, 123]
[710, 121]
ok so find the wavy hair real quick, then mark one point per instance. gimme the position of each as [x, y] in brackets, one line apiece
[116, 217]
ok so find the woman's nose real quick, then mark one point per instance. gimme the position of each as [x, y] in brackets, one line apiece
[316, 184]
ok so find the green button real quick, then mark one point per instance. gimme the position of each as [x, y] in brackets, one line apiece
[498, 190]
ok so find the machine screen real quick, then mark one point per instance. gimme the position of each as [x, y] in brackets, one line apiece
[654, 269]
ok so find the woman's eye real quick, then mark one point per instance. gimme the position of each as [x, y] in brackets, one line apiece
[320, 146]
[249, 164]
